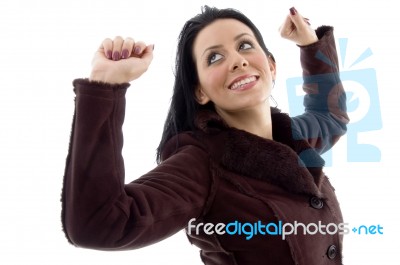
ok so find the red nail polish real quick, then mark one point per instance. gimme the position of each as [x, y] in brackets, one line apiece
[137, 50]
[116, 56]
[109, 54]
[124, 54]
[293, 11]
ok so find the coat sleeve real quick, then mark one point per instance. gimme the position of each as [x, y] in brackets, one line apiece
[99, 210]
[325, 118]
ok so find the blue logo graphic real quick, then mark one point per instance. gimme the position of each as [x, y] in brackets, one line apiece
[362, 105]
[368, 230]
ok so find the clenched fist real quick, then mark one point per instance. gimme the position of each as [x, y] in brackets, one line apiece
[297, 29]
[121, 60]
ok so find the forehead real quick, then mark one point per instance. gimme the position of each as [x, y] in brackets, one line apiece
[219, 32]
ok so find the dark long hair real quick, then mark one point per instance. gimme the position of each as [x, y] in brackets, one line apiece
[184, 106]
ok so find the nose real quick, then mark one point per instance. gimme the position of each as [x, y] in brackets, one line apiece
[238, 62]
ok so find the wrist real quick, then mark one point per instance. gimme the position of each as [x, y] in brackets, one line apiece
[311, 39]
[98, 76]
[104, 77]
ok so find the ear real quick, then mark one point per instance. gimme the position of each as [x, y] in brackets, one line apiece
[272, 68]
[201, 97]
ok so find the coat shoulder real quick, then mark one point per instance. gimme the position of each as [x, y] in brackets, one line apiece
[180, 141]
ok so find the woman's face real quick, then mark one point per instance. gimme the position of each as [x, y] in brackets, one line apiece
[234, 72]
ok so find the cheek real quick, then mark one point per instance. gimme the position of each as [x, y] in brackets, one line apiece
[213, 78]
[260, 61]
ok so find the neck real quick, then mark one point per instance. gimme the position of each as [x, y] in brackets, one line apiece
[256, 120]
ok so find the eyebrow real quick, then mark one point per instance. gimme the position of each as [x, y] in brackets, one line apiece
[219, 46]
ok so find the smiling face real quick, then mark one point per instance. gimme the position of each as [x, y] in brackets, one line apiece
[234, 72]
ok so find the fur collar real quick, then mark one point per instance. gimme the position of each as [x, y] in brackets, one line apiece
[288, 163]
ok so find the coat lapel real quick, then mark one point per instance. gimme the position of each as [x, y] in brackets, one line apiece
[290, 164]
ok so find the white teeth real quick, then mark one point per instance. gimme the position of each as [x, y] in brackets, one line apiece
[243, 82]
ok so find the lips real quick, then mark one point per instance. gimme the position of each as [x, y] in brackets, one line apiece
[242, 81]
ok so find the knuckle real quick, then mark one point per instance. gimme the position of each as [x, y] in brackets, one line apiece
[118, 38]
[128, 43]
[106, 42]
[140, 44]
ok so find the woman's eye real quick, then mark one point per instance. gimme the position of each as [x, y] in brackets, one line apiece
[245, 46]
[214, 57]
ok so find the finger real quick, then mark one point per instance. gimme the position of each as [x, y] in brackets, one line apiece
[117, 46]
[287, 27]
[297, 19]
[127, 48]
[140, 48]
[106, 47]
[147, 54]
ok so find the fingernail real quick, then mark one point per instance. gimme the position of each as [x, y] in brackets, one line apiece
[293, 11]
[137, 50]
[109, 54]
[124, 54]
[116, 56]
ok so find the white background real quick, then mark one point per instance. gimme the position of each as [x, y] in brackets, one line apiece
[46, 44]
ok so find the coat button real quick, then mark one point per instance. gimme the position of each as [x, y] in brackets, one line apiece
[332, 251]
[316, 202]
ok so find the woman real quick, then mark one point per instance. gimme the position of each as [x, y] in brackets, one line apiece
[226, 159]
